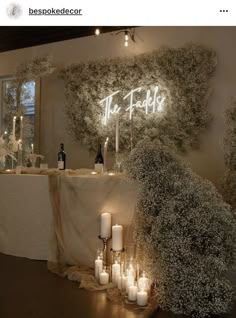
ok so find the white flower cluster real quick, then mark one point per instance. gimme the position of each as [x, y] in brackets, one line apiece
[181, 73]
[229, 180]
[186, 231]
[7, 148]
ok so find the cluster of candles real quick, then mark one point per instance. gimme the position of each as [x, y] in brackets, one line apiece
[124, 274]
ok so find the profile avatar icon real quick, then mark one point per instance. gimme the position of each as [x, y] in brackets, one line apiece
[14, 10]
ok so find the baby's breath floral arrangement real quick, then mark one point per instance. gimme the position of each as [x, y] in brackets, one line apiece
[8, 147]
[182, 75]
[229, 180]
[186, 231]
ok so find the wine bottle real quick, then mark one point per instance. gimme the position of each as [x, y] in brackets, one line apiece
[99, 160]
[61, 158]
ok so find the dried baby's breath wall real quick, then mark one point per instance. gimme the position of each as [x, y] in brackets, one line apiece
[182, 76]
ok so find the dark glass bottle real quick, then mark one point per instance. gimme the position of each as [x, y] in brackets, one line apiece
[61, 158]
[99, 157]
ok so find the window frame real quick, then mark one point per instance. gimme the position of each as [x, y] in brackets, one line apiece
[37, 108]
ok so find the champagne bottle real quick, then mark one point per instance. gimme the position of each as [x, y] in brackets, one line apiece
[99, 160]
[61, 158]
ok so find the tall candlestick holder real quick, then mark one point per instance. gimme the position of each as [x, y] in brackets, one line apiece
[105, 250]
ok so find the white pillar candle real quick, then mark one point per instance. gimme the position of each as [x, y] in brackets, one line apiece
[14, 127]
[117, 133]
[142, 298]
[105, 225]
[115, 272]
[105, 154]
[132, 293]
[117, 237]
[98, 267]
[143, 283]
[21, 128]
[129, 282]
[104, 278]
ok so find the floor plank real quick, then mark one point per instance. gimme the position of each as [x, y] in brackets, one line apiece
[28, 290]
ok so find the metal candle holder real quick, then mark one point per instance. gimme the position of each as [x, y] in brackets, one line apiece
[104, 241]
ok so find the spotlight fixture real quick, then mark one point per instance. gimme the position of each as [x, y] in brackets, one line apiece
[97, 32]
[128, 34]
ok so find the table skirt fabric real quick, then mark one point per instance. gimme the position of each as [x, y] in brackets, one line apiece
[77, 204]
[25, 216]
[57, 218]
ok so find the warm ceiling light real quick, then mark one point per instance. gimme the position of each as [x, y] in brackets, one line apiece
[126, 36]
[97, 32]
[126, 43]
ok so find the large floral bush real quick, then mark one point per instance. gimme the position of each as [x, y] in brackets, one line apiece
[186, 231]
[229, 180]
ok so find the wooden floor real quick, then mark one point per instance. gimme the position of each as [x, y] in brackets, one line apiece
[28, 290]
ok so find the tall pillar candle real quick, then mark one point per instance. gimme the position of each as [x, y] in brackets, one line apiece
[117, 133]
[117, 237]
[21, 128]
[14, 127]
[105, 155]
[105, 225]
[131, 133]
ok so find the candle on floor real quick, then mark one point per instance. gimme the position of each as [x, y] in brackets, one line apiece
[105, 225]
[143, 282]
[115, 272]
[129, 282]
[104, 277]
[98, 267]
[142, 298]
[117, 237]
[132, 293]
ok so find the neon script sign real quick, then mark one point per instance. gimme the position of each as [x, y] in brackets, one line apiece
[152, 103]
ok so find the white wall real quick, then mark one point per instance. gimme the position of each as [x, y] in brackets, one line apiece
[207, 161]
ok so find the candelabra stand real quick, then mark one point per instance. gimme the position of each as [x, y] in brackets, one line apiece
[105, 253]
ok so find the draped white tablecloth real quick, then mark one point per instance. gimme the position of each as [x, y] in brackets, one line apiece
[27, 221]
